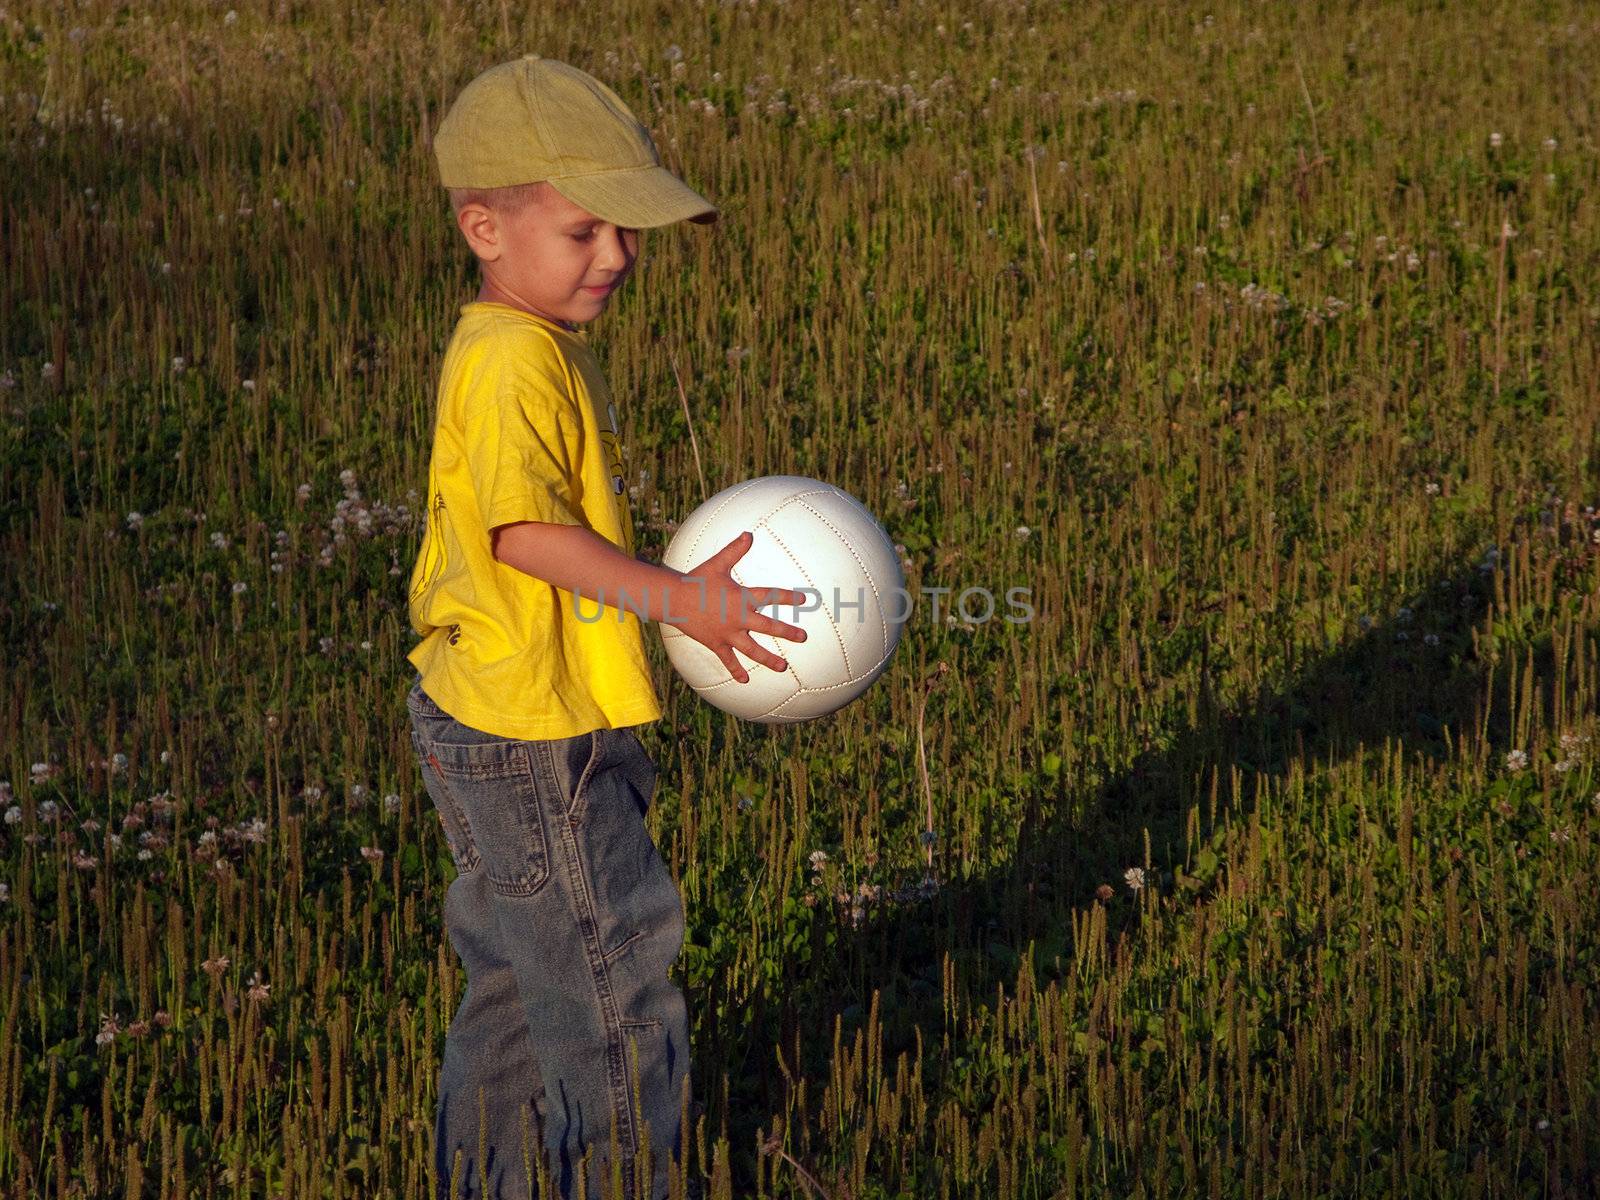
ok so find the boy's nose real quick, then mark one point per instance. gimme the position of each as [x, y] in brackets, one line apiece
[613, 254]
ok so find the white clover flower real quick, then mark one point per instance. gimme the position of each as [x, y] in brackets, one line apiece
[109, 1028]
[256, 991]
[5, 892]
[144, 856]
[229, 17]
[208, 838]
[115, 840]
[48, 810]
[1549, 143]
[817, 859]
[178, 363]
[255, 830]
[1516, 760]
[249, 385]
[240, 587]
[1496, 141]
[1562, 766]
[372, 854]
[135, 521]
[391, 803]
[1134, 878]
[166, 268]
[1023, 531]
[119, 761]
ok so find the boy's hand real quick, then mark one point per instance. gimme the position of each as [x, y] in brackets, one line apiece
[719, 613]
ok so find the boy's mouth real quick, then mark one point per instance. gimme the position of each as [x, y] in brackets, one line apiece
[603, 290]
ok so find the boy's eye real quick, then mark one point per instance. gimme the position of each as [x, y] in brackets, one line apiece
[584, 236]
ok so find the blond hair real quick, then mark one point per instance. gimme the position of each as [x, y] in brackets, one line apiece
[508, 201]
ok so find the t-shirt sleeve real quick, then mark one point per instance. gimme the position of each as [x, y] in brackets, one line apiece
[522, 446]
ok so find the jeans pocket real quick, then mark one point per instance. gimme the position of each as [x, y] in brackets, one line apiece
[617, 765]
[491, 785]
[457, 830]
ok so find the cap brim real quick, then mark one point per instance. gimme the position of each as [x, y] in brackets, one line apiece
[637, 198]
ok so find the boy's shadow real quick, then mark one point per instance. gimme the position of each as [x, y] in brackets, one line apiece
[1411, 677]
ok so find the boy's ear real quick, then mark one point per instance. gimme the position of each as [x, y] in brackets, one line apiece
[478, 226]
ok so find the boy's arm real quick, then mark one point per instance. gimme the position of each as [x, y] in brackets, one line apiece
[579, 560]
[706, 603]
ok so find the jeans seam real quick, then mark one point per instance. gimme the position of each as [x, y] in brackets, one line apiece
[579, 789]
[616, 1067]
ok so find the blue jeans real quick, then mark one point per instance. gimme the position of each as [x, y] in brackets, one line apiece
[566, 921]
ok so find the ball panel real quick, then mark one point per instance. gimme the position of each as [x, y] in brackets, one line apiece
[851, 600]
[686, 540]
[703, 671]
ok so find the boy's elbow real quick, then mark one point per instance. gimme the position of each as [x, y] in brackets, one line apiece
[504, 541]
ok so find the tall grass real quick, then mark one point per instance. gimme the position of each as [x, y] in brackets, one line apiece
[1258, 341]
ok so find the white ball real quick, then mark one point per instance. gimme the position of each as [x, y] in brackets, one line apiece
[807, 535]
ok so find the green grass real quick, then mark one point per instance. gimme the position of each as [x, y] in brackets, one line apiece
[1273, 325]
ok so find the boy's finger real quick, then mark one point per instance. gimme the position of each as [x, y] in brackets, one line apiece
[732, 663]
[762, 655]
[734, 550]
[787, 597]
[782, 629]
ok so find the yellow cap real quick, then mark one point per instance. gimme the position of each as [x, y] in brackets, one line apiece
[536, 119]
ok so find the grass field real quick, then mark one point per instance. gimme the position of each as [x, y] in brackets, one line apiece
[1260, 342]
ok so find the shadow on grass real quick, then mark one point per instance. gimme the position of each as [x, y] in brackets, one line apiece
[1379, 686]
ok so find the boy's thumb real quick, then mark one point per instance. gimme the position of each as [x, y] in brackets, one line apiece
[732, 550]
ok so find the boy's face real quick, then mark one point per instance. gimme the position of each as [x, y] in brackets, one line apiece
[554, 259]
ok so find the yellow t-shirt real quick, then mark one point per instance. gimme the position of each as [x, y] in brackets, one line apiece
[525, 431]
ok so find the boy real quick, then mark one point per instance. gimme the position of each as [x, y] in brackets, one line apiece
[562, 911]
